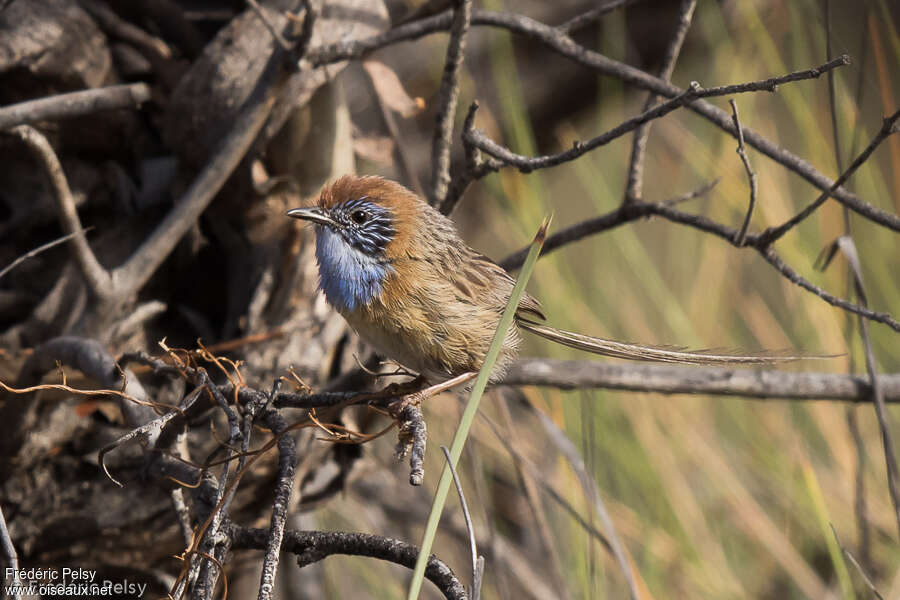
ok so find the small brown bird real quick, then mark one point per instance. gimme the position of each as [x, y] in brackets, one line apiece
[398, 272]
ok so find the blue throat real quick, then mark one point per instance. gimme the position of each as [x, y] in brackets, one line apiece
[349, 277]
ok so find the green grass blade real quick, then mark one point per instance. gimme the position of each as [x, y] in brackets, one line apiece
[821, 512]
[462, 432]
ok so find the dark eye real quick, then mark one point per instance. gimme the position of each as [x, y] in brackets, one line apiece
[359, 216]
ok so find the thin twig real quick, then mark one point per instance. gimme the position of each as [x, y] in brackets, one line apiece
[532, 498]
[751, 174]
[276, 35]
[117, 27]
[619, 216]
[206, 558]
[9, 550]
[592, 16]
[312, 10]
[39, 249]
[859, 501]
[592, 493]
[134, 273]
[633, 189]
[776, 261]
[832, 102]
[566, 46]
[890, 456]
[473, 547]
[183, 514]
[74, 104]
[892, 221]
[447, 99]
[407, 171]
[859, 568]
[526, 164]
[846, 246]
[476, 166]
[860, 512]
[633, 211]
[98, 279]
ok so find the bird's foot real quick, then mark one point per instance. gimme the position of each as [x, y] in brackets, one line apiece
[405, 388]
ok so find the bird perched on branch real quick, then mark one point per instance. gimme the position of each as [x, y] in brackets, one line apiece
[401, 276]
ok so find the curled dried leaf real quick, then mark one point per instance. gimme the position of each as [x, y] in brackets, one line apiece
[391, 90]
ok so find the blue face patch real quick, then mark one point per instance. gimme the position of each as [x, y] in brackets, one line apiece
[349, 276]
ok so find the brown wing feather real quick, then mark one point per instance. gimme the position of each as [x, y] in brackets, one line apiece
[481, 275]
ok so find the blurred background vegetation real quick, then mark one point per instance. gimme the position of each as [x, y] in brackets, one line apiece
[714, 497]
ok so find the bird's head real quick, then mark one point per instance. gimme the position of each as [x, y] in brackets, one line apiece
[362, 225]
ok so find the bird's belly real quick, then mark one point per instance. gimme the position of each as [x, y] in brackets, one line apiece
[400, 343]
[437, 351]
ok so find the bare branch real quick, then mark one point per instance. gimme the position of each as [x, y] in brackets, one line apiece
[610, 220]
[593, 15]
[447, 99]
[665, 379]
[287, 460]
[751, 174]
[890, 455]
[832, 101]
[74, 104]
[39, 249]
[302, 41]
[132, 275]
[768, 253]
[888, 220]
[639, 143]
[276, 35]
[882, 317]
[116, 27]
[476, 166]
[846, 246]
[633, 211]
[313, 546]
[526, 164]
[567, 47]
[98, 279]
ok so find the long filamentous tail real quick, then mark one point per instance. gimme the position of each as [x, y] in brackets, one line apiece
[671, 354]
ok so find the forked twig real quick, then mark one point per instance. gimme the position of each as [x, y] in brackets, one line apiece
[751, 174]
[447, 99]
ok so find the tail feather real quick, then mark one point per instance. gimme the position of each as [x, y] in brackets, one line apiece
[671, 354]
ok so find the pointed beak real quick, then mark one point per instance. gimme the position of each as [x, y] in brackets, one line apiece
[316, 215]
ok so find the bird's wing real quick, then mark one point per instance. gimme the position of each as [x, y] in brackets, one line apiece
[478, 277]
[672, 354]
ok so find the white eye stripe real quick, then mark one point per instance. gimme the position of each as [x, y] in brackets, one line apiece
[367, 226]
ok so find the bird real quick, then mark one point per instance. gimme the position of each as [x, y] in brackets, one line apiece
[399, 273]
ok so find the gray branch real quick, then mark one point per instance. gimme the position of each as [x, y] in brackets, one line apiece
[74, 104]
[449, 95]
[666, 379]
